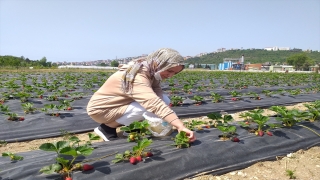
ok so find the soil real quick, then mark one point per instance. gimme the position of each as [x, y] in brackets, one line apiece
[303, 164]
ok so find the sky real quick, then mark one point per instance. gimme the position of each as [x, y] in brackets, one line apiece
[87, 30]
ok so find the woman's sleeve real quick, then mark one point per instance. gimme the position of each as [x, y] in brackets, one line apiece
[144, 94]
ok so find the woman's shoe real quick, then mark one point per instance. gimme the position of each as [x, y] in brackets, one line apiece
[106, 133]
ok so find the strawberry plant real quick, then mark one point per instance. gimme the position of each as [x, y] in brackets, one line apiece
[39, 92]
[171, 82]
[28, 108]
[187, 88]
[254, 96]
[217, 97]
[282, 92]
[53, 109]
[267, 93]
[222, 123]
[261, 122]
[193, 125]
[236, 96]
[2, 100]
[181, 140]
[52, 98]
[23, 96]
[12, 116]
[137, 130]
[77, 95]
[175, 101]
[219, 120]
[289, 117]
[12, 156]
[4, 108]
[71, 148]
[227, 131]
[314, 110]
[198, 99]
[294, 92]
[173, 90]
[136, 154]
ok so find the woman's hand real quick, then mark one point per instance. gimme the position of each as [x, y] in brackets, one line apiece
[189, 133]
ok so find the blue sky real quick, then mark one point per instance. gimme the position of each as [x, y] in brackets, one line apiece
[86, 30]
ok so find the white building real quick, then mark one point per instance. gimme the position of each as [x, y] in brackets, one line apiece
[275, 48]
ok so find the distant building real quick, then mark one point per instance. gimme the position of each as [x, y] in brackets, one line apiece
[221, 50]
[275, 48]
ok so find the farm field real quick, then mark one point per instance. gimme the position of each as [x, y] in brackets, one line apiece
[43, 105]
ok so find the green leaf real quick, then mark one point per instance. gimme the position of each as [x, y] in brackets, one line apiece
[48, 147]
[125, 128]
[74, 138]
[61, 144]
[51, 169]
[84, 150]
[17, 158]
[93, 137]
[6, 154]
[69, 151]
[214, 116]
[63, 161]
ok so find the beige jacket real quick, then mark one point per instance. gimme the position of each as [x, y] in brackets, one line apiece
[109, 103]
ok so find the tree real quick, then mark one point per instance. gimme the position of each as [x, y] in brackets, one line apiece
[114, 63]
[103, 64]
[300, 61]
[43, 62]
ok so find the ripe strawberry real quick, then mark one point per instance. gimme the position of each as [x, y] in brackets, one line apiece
[260, 133]
[235, 139]
[21, 118]
[69, 108]
[57, 114]
[87, 167]
[170, 104]
[207, 126]
[149, 154]
[68, 178]
[40, 96]
[269, 133]
[139, 158]
[133, 160]
[247, 122]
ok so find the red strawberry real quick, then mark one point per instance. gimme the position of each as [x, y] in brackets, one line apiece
[21, 118]
[68, 178]
[247, 122]
[40, 96]
[170, 104]
[207, 126]
[139, 158]
[87, 167]
[260, 133]
[235, 139]
[69, 108]
[133, 160]
[149, 154]
[269, 133]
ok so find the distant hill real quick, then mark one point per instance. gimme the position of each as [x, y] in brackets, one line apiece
[252, 56]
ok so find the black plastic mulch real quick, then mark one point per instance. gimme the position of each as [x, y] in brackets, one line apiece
[208, 155]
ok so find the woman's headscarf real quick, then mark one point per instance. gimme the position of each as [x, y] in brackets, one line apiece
[156, 62]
